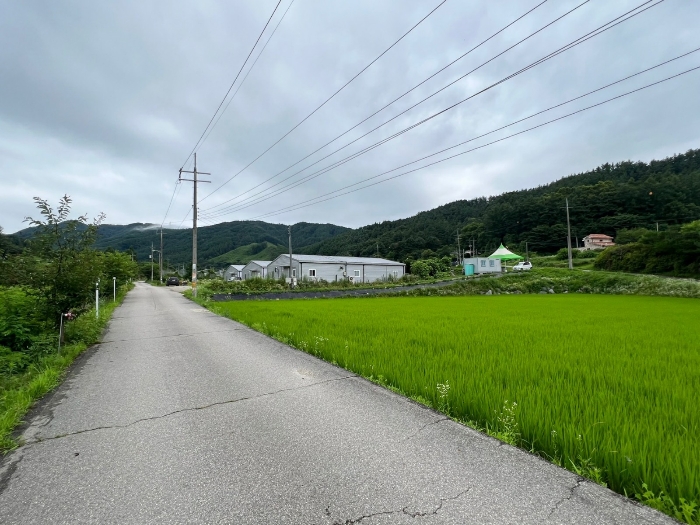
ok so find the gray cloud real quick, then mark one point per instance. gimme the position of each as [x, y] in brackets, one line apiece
[104, 101]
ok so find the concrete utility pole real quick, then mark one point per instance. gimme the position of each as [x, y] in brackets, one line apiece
[151, 262]
[160, 257]
[194, 220]
[289, 230]
[568, 236]
[459, 249]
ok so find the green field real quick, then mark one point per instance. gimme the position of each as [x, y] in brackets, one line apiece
[605, 385]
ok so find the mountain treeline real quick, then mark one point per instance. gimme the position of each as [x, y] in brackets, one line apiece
[213, 241]
[608, 199]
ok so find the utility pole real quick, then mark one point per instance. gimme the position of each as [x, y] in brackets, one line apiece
[160, 257]
[459, 249]
[568, 237]
[194, 220]
[291, 281]
[151, 262]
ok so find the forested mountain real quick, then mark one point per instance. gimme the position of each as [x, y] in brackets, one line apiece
[608, 199]
[213, 241]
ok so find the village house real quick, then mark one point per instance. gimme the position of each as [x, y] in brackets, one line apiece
[234, 272]
[596, 241]
[255, 270]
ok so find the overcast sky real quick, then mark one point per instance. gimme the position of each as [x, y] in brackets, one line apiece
[105, 100]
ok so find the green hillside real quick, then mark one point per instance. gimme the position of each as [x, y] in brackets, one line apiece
[213, 241]
[262, 251]
[608, 199]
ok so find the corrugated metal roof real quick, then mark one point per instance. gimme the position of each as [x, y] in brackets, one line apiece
[333, 259]
[260, 263]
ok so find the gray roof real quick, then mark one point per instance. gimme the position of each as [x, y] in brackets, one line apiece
[259, 263]
[336, 259]
[238, 267]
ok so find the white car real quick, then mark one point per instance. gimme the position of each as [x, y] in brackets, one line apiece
[522, 266]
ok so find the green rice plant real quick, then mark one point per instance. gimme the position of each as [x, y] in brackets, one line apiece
[606, 385]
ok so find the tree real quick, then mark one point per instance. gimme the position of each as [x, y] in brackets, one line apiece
[65, 266]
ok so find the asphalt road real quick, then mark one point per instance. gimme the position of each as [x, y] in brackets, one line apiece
[181, 416]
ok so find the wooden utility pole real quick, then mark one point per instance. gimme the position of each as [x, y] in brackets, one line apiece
[568, 236]
[194, 220]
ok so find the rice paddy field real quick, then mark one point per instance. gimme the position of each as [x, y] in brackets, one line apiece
[608, 386]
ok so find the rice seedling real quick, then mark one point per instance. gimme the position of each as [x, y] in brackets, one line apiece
[607, 386]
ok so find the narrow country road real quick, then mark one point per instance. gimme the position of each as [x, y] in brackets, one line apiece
[181, 416]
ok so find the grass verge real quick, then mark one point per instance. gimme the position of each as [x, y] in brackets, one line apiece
[19, 392]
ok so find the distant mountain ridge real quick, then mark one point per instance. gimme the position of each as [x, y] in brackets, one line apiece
[608, 199]
[213, 241]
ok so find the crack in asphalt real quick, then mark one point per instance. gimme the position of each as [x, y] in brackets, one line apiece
[171, 335]
[421, 429]
[566, 498]
[191, 409]
[404, 510]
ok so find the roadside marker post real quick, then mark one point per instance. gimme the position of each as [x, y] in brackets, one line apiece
[97, 299]
[114, 280]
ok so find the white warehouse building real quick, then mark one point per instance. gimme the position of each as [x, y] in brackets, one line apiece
[335, 268]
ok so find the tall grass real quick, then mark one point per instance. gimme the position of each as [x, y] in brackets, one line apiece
[18, 392]
[608, 386]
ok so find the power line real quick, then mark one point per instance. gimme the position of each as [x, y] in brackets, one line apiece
[326, 101]
[614, 22]
[383, 107]
[247, 73]
[236, 207]
[177, 184]
[300, 206]
[231, 87]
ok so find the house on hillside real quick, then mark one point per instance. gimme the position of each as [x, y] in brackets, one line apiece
[255, 270]
[335, 268]
[234, 272]
[596, 241]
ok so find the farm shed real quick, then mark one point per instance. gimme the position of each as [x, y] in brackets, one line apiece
[255, 270]
[482, 265]
[332, 268]
[234, 272]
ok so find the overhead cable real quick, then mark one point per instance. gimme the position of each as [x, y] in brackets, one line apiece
[240, 84]
[299, 206]
[614, 22]
[326, 101]
[231, 86]
[383, 107]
